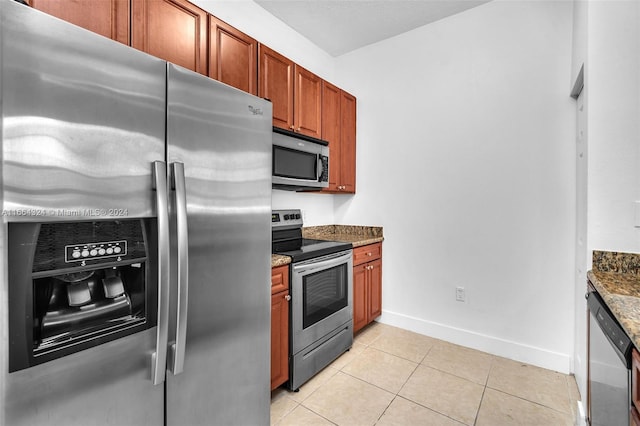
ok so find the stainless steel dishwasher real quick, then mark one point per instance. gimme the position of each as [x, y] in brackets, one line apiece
[609, 354]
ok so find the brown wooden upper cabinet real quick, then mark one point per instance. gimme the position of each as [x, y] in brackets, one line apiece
[109, 18]
[173, 30]
[233, 56]
[295, 92]
[339, 129]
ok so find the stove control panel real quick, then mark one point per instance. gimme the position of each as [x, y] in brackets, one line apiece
[286, 218]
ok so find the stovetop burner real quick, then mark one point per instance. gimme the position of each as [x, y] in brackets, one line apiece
[286, 230]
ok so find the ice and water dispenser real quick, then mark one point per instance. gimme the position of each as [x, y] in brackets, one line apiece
[75, 285]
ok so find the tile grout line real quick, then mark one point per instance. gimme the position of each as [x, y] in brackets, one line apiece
[529, 401]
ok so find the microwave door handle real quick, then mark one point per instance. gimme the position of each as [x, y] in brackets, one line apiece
[319, 168]
[177, 349]
[159, 357]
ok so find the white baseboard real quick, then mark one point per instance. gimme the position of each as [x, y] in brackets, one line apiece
[490, 344]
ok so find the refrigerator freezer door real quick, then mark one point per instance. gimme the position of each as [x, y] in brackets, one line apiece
[223, 137]
[82, 121]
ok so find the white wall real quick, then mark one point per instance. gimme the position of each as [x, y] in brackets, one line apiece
[250, 18]
[613, 80]
[465, 156]
[607, 41]
[582, 253]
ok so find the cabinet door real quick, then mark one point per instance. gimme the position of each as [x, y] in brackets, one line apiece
[307, 94]
[360, 296]
[331, 96]
[635, 379]
[279, 339]
[109, 18]
[634, 417]
[174, 30]
[375, 289]
[279, 279]
[233, 56]
[348, 143]
[276, 84]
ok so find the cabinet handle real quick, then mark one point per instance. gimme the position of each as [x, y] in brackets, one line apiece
[369, 254]
[298, 129]
[291, 128]
[287, 297]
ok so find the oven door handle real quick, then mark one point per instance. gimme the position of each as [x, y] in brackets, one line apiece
[327, 263]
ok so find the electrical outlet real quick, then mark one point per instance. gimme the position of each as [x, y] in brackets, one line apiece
[460, 294]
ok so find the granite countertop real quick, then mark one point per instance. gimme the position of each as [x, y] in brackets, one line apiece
[279, 260]
[356, 235]
[616, 277]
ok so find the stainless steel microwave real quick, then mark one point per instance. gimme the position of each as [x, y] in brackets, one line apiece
[300, 163]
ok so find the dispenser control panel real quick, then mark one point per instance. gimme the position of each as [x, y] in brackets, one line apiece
[85, 251]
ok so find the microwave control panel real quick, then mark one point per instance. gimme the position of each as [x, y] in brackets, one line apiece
[324, 176]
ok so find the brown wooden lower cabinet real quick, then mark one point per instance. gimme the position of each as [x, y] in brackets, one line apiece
[279, 325]
[635, 387]
[367, 284]
[634, 417]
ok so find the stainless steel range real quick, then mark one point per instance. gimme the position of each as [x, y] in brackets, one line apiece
[321, 322]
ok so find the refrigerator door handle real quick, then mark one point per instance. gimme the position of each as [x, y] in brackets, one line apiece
[177, 349]
[159, 357]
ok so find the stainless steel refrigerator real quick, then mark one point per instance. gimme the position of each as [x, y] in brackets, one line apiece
[135, 236]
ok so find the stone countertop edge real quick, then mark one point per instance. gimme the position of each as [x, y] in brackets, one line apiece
[279, 260]
[355, 234]
[616, 277]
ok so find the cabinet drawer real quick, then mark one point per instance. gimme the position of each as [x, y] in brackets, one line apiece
[367, 253]
[279, 279]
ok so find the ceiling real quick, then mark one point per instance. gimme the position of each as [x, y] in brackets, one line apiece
[340, 26]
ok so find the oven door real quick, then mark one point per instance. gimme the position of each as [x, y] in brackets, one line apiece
[321, 297]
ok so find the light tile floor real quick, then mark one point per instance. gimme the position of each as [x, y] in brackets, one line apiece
[393, 376]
